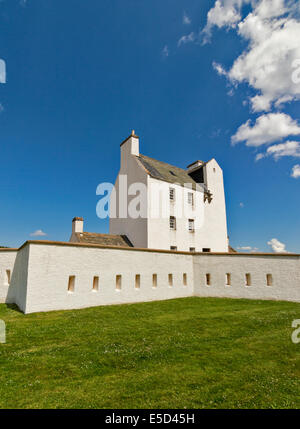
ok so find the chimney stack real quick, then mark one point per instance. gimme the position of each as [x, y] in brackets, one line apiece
[77, 225]
[129, 146]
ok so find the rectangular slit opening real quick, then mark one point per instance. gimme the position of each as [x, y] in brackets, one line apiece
[228, 279]
[154, 280]
[71, 284]
[269, 280]
[170, 279]
[208, 279]
[8, 275]
[96, 284]
[184, 279]
[137, 281]
[118, 282]
[248, 279]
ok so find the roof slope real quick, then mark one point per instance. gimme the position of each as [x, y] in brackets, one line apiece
[103, 239]
[167, 172]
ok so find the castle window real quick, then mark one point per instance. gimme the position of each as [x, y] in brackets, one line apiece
[208, 279]
[137, 281]
[8, 275]
[269, 280]
[71, 284]
[96, 284]
[206, 250]
[172, 194]
[172, 222]
[170, 279]
[191, 225]
[174, 248]
[190, 198]
[248, 279]
[118, 282]
[154, 280]
[184, 279]
[228, 279]
[192, 249]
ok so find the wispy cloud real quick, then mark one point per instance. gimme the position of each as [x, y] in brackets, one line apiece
[277, 246]
[38, 233]
[248, 249]
[186, 19]
[165, 52]
[187, 39]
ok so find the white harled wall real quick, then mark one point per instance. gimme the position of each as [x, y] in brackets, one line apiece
[41, 270]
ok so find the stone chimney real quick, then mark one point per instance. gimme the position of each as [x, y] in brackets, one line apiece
[130, 146]
[77, 225]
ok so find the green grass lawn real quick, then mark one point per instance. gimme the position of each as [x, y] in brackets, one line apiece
[184, 353]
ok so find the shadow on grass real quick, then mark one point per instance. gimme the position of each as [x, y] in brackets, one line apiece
[14, 307]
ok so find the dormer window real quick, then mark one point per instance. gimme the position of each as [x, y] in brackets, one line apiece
[172, 194]
[190, 198]
[172, 222]
[191, 225]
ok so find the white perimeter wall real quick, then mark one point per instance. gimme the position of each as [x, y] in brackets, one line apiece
[7, 261]
[40, 275]
[50, 267]
[285, 272]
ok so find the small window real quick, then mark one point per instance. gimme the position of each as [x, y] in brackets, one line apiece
[208, 280]
[137, 281]
[192, 249]
[154, 280]
[172, 222]
[206, 250]
[172, 194]
[190, 198]
[174, 248]
[96, 283]
[184, 279]
[228, 279]
[71, 284]
[248, 279]
[269, 280]
[118, 282]
[191, 225]
[8, 275]
[170, 279]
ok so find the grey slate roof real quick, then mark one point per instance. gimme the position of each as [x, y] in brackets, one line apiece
[167, 172]
[103, 239]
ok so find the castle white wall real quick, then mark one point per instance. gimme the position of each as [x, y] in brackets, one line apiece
[285, 271]
[40, 276]
[50, 267]
[7, 261]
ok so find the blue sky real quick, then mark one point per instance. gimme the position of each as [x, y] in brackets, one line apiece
[82, 75]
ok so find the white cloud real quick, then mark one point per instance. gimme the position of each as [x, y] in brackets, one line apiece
[242, 205]
[289, 148]
[165, 52]
[219, 69]
[277, 246]
[186, 19]
[187, 39]
[269, 62]
[38, 233]
[295, 171]
[247, 249]
[267, 129]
